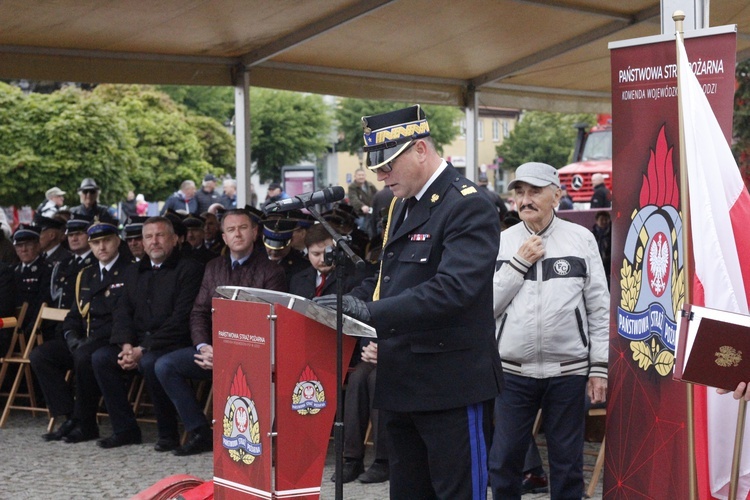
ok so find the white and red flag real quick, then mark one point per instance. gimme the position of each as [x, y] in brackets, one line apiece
[720, 230]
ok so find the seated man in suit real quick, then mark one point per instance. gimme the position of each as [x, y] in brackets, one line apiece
[151, 320]
[319, 278]
[243, 266]
[87, 328]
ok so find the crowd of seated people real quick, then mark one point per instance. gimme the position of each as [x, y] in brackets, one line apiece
[139, 299]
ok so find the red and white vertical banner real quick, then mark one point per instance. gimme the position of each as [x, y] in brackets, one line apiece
[646, 450]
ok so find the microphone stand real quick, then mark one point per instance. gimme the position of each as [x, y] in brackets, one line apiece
[342, 251]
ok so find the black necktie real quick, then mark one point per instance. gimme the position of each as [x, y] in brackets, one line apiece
[410, 202]
[104, 273]
[235, 264]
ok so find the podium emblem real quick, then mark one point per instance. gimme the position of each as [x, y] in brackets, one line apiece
[728, 356]
[241, 429]
[308, 397]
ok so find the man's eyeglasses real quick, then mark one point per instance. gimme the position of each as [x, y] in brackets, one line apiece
[89, 191]
[388, 166]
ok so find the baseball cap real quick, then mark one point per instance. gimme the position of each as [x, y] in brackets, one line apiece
[536, 174]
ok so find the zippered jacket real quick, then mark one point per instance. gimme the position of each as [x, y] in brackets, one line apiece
[552, 316]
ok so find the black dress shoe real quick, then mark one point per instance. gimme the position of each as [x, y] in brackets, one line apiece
[61, 432]
[534, 484]
[377, 473]
[166, 444]
[198, 443]
[78, 435]
[121, 439]
[352, 469]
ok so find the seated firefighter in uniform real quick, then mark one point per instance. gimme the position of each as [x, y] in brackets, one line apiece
[242, 266]
[150, 321]
[277, 238]
[87, 328]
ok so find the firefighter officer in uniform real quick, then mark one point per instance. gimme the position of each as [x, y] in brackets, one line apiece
[87, 328]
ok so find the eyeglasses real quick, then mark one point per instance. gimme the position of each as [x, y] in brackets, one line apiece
[388, 166]
[89, 191]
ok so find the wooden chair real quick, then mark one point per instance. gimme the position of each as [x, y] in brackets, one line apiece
[15, 348]
[599, 465]
[24, 363]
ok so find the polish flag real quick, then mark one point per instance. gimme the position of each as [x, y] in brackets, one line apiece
[720, 225]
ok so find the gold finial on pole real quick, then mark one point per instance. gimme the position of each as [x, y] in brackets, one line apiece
[679, 18]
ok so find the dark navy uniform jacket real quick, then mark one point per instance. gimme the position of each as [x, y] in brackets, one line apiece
[434, 317]
[96, 299]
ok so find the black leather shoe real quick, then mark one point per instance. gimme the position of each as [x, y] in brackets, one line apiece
[377, 473]
[61, 432]
[352, 469]
[198, 443]
[534, 484]
[121, 439]
[78, 435]
[166, 444]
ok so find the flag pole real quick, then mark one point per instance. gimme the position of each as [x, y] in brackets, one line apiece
[679, 17]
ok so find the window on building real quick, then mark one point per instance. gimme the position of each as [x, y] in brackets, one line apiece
[480, 130]
[462, 128]
[506, 128]
[495, 130]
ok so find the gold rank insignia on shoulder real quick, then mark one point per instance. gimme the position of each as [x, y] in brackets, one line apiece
[468, 190]
[435, 197]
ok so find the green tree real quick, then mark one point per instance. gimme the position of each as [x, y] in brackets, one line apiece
[286, 127]
[216, 102]
[542, 136]
[57, 139]
[349, 112]
[169, 148]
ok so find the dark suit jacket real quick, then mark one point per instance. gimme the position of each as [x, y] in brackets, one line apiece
[303, 283]
[256, 272]
[154, 311]
[434, 318]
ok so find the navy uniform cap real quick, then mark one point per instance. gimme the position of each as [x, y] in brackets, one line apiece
[255, 214]
[303, 220]
[101, 229]
[176, 220]
[26, 232]
[193, 221]
[48, 223]
[277, 232]
[134, 227]
[78, 223]
[387, 135]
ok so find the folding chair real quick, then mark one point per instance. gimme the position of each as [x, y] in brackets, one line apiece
[599, 465]
[14, 349]
[24, 363]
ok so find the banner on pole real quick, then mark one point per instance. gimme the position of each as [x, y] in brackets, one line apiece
[646, 412]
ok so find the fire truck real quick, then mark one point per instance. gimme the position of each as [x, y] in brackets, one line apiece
[592, 155]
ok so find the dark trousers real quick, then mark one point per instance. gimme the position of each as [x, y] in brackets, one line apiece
[174, 371]
[113, 382]
[562, 402]
[50, 361]
[439, 454]
[358, 412]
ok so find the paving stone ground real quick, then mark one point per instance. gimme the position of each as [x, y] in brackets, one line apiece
[31, 468]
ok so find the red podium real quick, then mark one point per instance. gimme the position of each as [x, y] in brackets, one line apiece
[274, 392]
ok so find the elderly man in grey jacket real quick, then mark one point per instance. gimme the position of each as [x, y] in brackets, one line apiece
[551, 305]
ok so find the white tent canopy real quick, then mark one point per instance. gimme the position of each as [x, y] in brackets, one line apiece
[535, 54]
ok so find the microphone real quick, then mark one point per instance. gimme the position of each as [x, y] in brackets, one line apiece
[304, 200]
